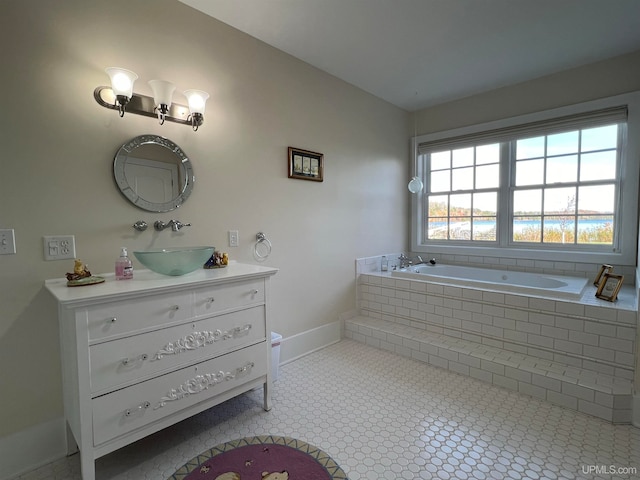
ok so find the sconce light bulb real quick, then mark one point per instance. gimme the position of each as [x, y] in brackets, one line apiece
[122, 85]
[197, 100]
[121, 82]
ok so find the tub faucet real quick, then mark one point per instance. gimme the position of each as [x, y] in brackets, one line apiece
[420, 261]
[404, 261]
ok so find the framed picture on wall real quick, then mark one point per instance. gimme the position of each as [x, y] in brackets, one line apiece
[609, 286]
[305, 165]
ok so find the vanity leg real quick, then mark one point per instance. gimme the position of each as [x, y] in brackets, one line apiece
[267, 397]
[87, 466]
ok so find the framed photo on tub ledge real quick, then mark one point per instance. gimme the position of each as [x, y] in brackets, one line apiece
[609, 286]
[305, 165]
[604, 268]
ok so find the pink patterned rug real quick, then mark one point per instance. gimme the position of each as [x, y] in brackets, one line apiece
[266, 457]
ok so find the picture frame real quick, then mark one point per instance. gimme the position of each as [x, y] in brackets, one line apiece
[609, 286]
[604, 268]
[305, 165]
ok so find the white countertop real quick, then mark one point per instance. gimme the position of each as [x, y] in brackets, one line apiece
[146, 281]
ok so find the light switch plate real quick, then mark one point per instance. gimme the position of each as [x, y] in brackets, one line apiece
[234, 238]
[7, 241]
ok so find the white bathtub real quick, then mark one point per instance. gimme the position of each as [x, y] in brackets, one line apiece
[497, 280]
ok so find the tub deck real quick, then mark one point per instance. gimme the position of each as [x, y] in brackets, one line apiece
[597, 394]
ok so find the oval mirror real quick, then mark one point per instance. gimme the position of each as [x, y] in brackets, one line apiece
[153, 173]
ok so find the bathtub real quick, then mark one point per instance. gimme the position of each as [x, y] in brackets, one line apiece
[497, 280]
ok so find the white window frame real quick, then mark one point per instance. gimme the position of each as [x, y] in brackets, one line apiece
[624, 253]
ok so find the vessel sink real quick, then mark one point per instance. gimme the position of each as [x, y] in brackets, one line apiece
[175, 261]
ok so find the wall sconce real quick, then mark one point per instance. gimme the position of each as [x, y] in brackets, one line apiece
[120, 96]
[162, 93]
[122, 85]
[197, 100]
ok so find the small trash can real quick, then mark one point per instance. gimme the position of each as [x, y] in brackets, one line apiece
[276, 338]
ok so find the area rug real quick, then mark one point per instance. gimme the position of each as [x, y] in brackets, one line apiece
[266, 457]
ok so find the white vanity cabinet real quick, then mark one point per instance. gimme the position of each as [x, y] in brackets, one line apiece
[140, 355]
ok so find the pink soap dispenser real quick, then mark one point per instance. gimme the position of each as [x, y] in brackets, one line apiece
[124, 267]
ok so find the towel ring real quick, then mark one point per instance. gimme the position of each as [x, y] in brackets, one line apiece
[262, 243]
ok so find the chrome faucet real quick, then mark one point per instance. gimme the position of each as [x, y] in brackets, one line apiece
[176, 225]
[404, 261]
[424, 262]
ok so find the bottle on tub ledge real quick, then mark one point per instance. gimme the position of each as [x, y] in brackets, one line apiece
[124, 267]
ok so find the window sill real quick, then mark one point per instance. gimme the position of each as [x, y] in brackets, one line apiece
[613, 258]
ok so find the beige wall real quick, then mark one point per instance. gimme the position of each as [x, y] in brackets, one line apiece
[603, 79]
[58, 145]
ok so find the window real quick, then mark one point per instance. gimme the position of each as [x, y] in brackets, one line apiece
[463, 193]
[565, 185]
[551, 185]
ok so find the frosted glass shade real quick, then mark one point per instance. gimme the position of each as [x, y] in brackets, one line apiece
[197, 100]
[121, 81]
[162, 92]
[415, 185]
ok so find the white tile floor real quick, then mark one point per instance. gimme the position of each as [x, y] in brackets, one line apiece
[382, 416]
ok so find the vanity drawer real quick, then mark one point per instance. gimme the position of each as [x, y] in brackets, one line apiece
[122, 361]
[132, 408]
[223, 297]
[128, 316]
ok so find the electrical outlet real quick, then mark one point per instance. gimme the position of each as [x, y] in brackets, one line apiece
[7, 242]
[234, 238]
[59, 247]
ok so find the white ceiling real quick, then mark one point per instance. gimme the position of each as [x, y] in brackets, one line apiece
[419, 53]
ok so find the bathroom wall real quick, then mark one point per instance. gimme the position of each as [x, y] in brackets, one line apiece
[607, 78]
[57, 155]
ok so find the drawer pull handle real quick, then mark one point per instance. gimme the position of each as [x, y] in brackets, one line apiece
[210, 300]
[197, 340]
[254, 292]
[175, 308]
[112, 320]
[132, 411]
[200, 383]
[139, 358]
[237, 332]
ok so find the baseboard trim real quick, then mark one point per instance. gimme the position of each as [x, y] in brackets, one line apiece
[304, 343]
[43, 443]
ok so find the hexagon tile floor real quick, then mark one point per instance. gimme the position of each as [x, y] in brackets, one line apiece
[382, 416]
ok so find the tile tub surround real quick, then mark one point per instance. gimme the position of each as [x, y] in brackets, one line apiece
[578, 354]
